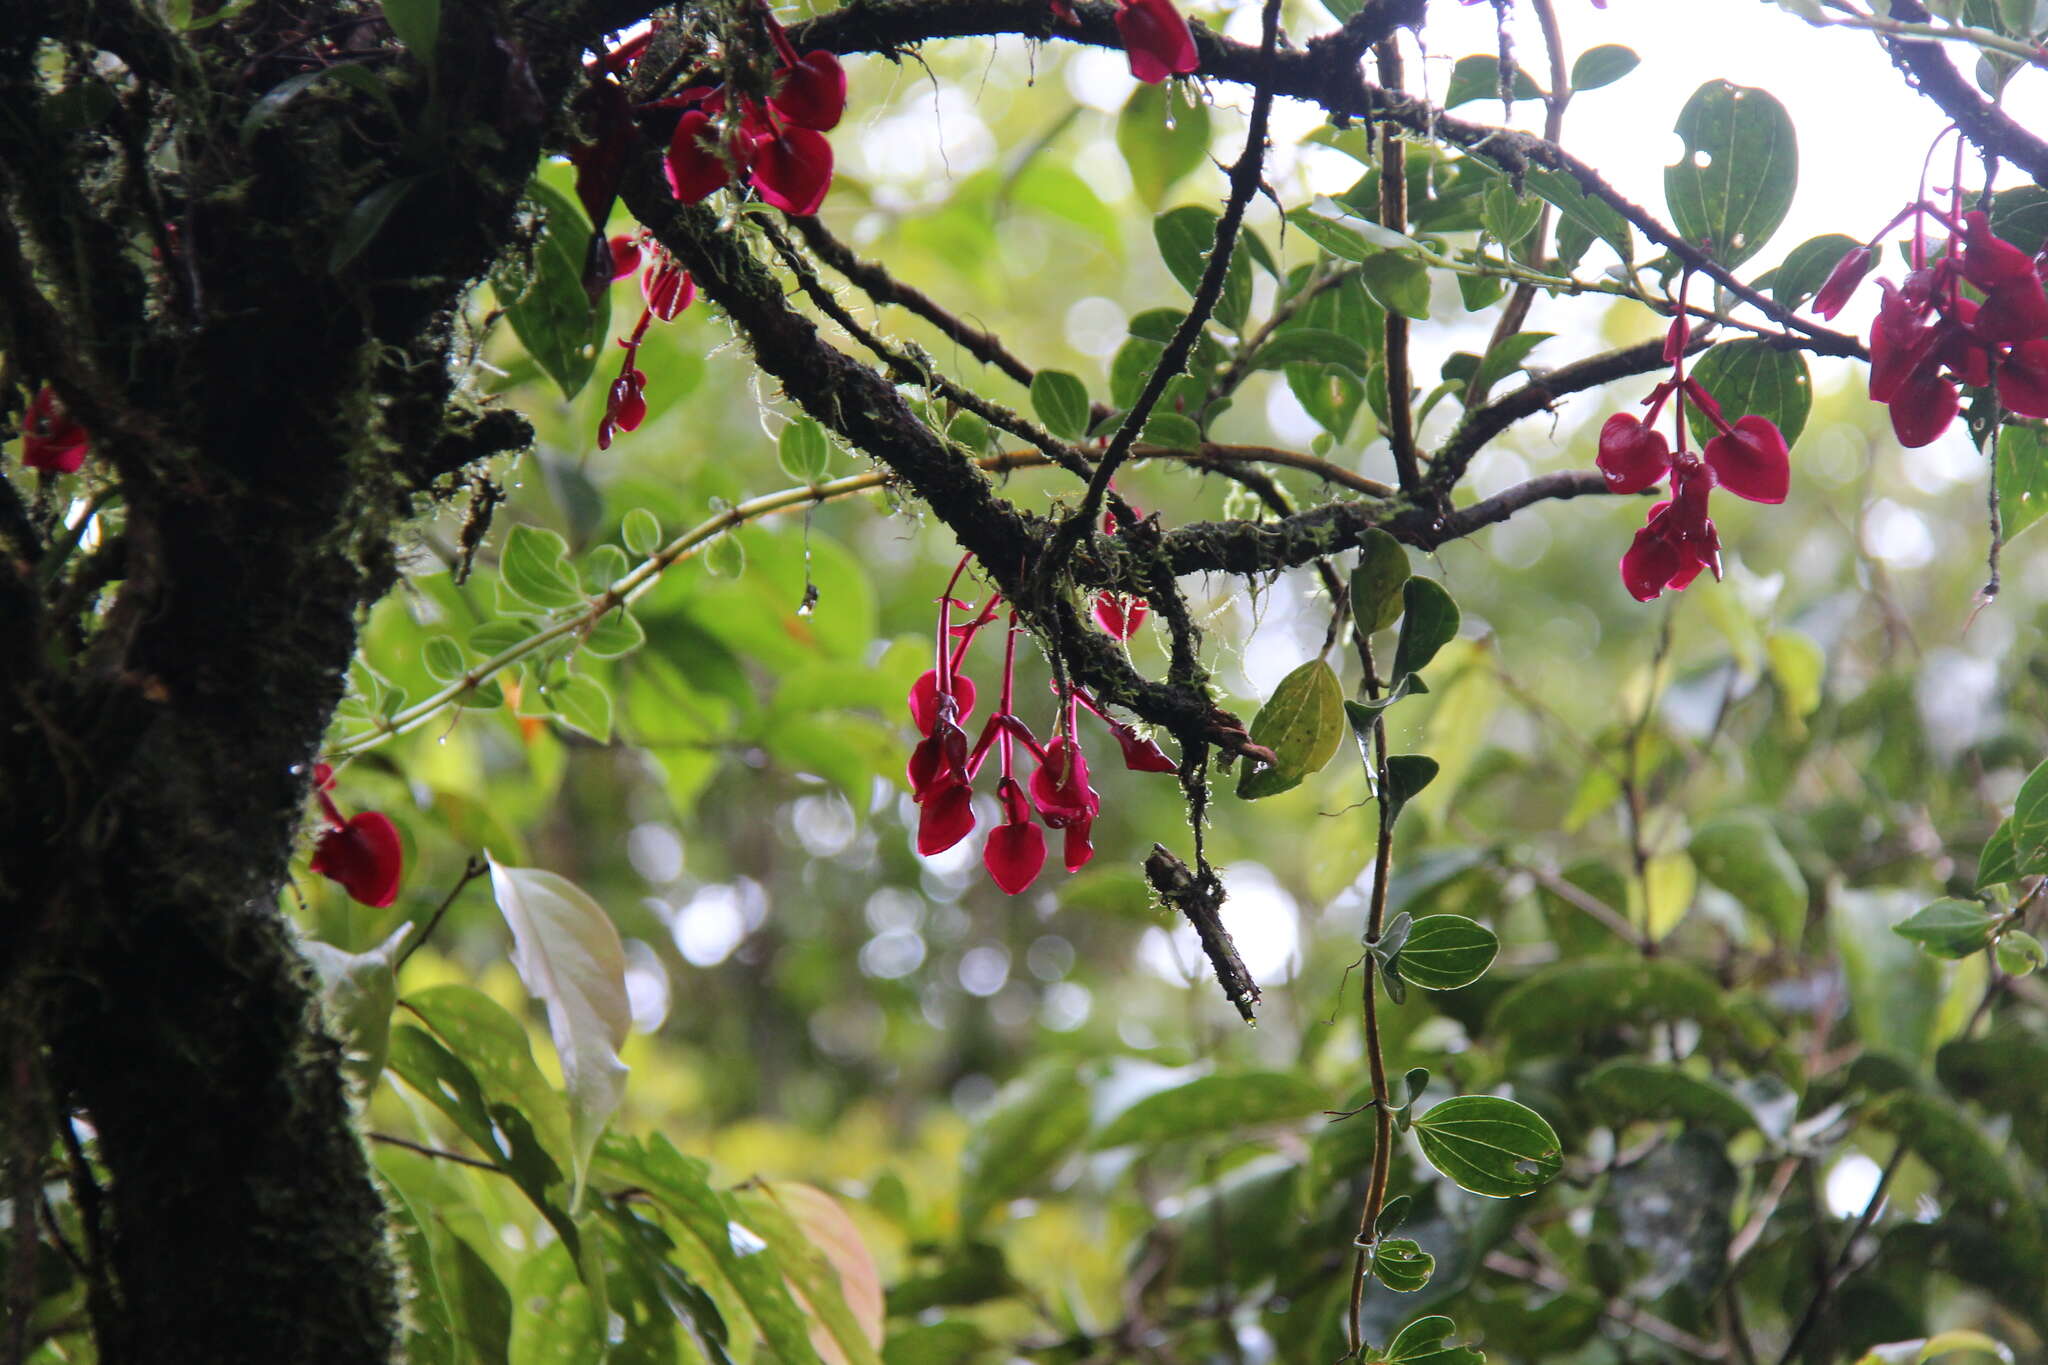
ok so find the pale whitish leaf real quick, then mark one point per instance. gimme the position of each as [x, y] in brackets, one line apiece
[851, 1330]
[567, 952]
[358, 991]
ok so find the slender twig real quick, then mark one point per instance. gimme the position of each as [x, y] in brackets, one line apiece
[474, 868]
[1931, 73]
[1244, 183]
[1839, 1272]
[1394, 353]
[439, 1154]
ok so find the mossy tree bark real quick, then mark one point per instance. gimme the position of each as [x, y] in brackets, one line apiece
[267, 372]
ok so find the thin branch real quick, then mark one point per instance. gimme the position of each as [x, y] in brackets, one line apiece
[1627, 1315]
[474, 868]
[1839, 1271]
[1394, 354]
[1928, 70]
[439, 1154]
[878, 284]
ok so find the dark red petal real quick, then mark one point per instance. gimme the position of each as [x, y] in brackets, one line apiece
[1157, 40]
[945, 820]
[2023, 380]
[1650, 563]
[793, 171]
[1060, 787]
[1014, 856]
[924, 699]
[1078, 847]
[625, 255]
[50, 440]
[363, 855]
[1118, 615]
[2013, 312]
[813, 93]
[1141, 755]
[1842, 282]
[1751, 461]
[1676, 338]
[1989, 261]
[1922, 409]
[1632, 456]
[668, 290]
[695, 169]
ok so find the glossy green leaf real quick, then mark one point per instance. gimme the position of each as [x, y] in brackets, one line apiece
[1549, 1011]
[803, 451]
[2020, 953]
[1734, 180]
[602, 566]
[1429, 621]
[1626, 1091]
[1997, 864]
[1163, 136]
[1312, 345]
[1595, 216]
[1489, 1145]
[1184, 236]
[568, 954]
[442, 657]
[641, 530]
[1061, 402]
[2022, 479]
[1508, 216]
[1032, 1125]
[1131, 367]
[617, 633]
[1328, 393]
[1397, 283]
[1602, 65]
[726, 556]
[1214, 1106]
[1753, 377]
[2020, 216]
[1302, 723]
[1340, 241]
[1949, 927]
[1407, 775]
[1425, 1342]
[1377, 583]
[1173, 431]
[1401, 1265]
[1445, 952]
[534, 568]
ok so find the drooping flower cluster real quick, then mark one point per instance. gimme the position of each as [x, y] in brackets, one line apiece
[1931, 336]
[776, 144]
[943, 768]
[361, 852]
[668, 290]
[1748, 458]
[1157, 39]
[52, 441]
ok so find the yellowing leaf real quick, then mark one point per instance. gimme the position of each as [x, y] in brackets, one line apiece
[1301, 723]
[1666, 894]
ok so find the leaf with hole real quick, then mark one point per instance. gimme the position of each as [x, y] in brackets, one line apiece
[1733, 182]
[1489, 1145]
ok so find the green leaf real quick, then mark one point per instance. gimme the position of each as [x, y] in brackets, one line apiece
[1030, 1127]
[617, 633]
[494, 637]
[1742, 854]
[1407, 774]
[1507, 215]
[568, 954]
[2020, 216]
[560, 1317]
[366, 220]
[1184, 236]
[1445, 952]
[2022, 479]
[1548, 1012]
[1797, 667]
[803, 450]
[535, 570]
[1429, 621]
[583, 704]
[1397, 283]
[1751, 376]
[1327, 393]
[1335, 238]
[1595, 216]
[1625, 1092]
[1602, 65]
[1376, 584]
[1313, 345]
[820, 1252]
[1163, 137]
[1422, 1342]
[483, 1301]
[1949, 927]
[1997, 864]
[1302, 723]
[442, 657]
[602, 566]
[1505, 358]
[552, 314]
[1131, 367]
[2020, 953]
[1477, 77]
[358, 991]
[1401, 1265]
[1733, 182]
[2029, 823]
[725, 557]
[417, 24]
[1489, 1145]
[1669, 884]
[1158, 324]
[1173, 431]
[1213, 1106]
[1807, 267]
[1954, 1145]
[1061, 402]
[968, 429]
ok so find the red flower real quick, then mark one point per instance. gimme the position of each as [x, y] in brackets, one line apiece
[1157, 40]
[1841, 282]
[813, 92]
[667, 288]
[1751, 461]
[625, 255]
[2023, 379]
[695, 165]
[793, 169]
[1632, 456]
[362, 854]
[1060, 787]
[50, 440]
[1015, 852]
[1678, 540]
